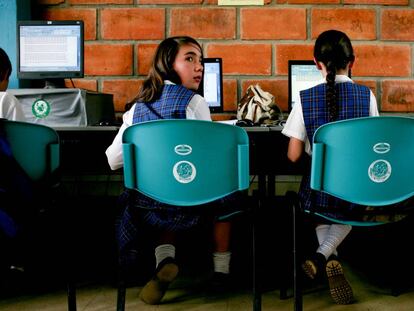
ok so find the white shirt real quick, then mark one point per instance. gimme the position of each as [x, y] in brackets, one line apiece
[197, 109]
[10, 107]
[295, 124]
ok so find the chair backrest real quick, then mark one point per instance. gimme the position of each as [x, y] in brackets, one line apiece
[34, 146]
[368, 161]
[185, 162]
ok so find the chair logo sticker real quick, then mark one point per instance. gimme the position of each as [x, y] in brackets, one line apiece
[380, 170]
[184, 171]
[40, 108]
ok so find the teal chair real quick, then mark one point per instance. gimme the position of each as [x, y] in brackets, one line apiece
[36, 149]
[366, 161]
[184, 163]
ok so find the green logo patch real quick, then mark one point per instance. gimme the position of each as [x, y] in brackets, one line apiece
[40, 108]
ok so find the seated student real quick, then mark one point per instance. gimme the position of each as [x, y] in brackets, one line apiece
[169, 92]
[15, 187]
[336, 98]
[9, 105]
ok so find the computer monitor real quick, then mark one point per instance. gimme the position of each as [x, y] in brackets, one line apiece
[50, 50]
[211, 87]
[302, 74]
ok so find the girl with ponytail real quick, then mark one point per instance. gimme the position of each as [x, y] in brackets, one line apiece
[337, 97]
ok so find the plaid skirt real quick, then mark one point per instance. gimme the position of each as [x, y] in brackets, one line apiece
[137, 210]
[314, 201]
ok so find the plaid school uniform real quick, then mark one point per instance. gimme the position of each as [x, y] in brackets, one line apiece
[354, 102]
[137, 210]
[171, 105]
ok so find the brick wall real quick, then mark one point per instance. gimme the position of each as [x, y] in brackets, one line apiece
[255, 42]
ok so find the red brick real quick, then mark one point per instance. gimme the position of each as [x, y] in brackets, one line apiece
[49, 2]
[278, 88]
[170, 1]
[307, 1]
[87, 84]
[87, 15]
[397, 25]
[255, 23]
[204, 23]
[382, 2]
[100, 60]
[382, 60]
[286, 52]
[145, 55]
[223, 116]
[398, 95]
[133, 23]
[358, 24]
[75, 2]
[370, 83]
[230, 94]
[124, 91]
[243, 58]
[216, 2]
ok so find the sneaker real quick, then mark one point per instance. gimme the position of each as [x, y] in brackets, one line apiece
[155, 289]
[341, 291]
[314, 266]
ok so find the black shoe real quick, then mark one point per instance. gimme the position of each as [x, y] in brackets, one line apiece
[155, 289]
[341, 291]
[314, 267]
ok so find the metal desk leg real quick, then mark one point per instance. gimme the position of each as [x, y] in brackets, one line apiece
[257, 295]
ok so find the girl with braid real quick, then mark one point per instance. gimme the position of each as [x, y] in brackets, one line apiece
[337, 97]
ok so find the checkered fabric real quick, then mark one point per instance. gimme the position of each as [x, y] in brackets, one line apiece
[171, 105]
[354, 102]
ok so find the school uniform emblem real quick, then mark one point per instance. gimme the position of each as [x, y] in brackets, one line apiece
[184, 172]
[40, 108]
[379, 171]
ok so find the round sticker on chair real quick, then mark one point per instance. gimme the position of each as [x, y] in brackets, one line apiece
[184, 172]
[379, 171]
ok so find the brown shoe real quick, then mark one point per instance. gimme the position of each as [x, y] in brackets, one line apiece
[155, 289]
[341, 291]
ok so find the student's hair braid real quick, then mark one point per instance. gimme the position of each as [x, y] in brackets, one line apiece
[334, 49]
[330, 92]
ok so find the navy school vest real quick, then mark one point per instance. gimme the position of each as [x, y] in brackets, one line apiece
[354, 102]
[172, 104]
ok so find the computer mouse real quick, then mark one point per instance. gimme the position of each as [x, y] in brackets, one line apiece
[245, 123]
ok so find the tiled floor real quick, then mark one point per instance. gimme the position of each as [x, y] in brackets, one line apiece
[184, 296]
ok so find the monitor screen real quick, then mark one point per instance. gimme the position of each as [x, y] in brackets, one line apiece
[211, 87]
[303, 74]
[49, 49]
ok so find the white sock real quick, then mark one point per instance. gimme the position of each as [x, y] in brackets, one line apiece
[322, 233]
[163, 251]
[222, 262]
[334, 238]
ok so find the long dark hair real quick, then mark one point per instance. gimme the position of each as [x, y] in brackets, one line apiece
[334, 49]
[5, 65]
[162, 68]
